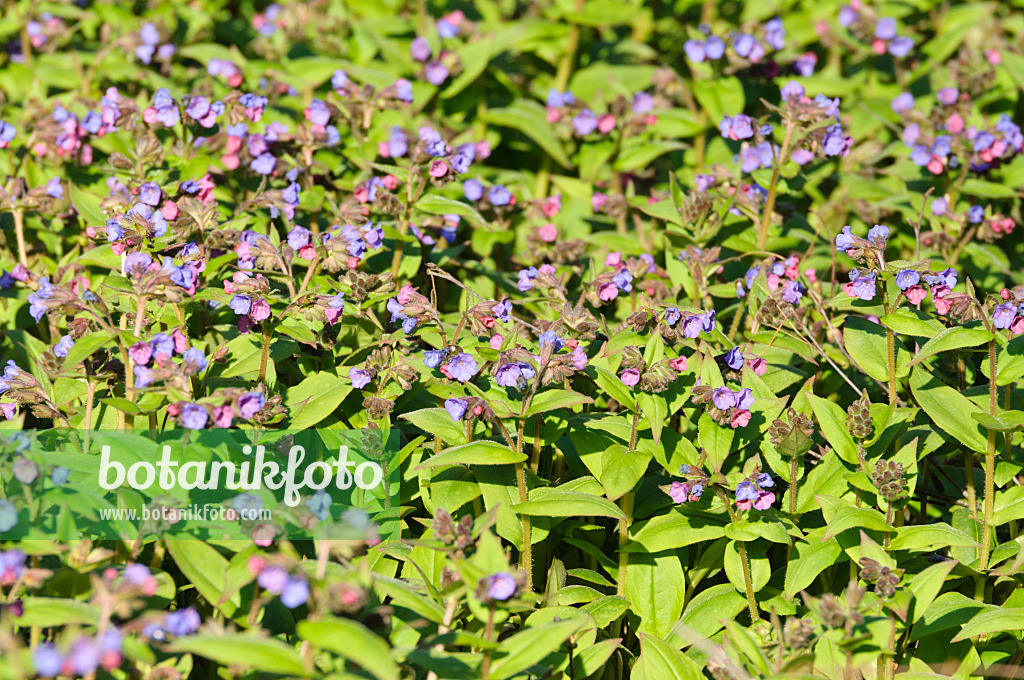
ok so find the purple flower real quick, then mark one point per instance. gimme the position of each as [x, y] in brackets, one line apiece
[672, 316]
[834, 143]
[948, 95]
[63, 346]
[54, 188]
[630, 377]
[162, 344]
[143, 377]
[550, 338]
[1003, 315]
[295, 593]
[906, 278]
[501, 586]
[7, 133]
[526, 279]
[556, 99]
[744, 399]
[983, 141]
[847, 16]
[8, 517]
[473, 190]
[903, 102]
[249, 404]
[447, 29]
[793, 292]
[862, 286]
[263, 164]
[734, 359]
[584, 122]
[900, 46]
[339, 80]
[433, 357]
[746, 491]
[25, 470]
[60, 475]
[805, 63]
[738, 127]
[743, 44]
[947, 277]
[462, 367]
[182, 622]
[707, 321]
[775, 33]
[885, 29]
[642, 103]
[149, 193]
[240, 304]
[879, 232]
[623, 280]
[456, 408]
[298, 237]
[272, 579]
[194, 416]
[692, 326]
[503, 310]
[498, 195]
[360, 377]
[436, 72]
[508, 375]
[723, 398]
[696, 50]
[765, 481]
[47, 660]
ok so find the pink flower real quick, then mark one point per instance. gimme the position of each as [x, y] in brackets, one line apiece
[740, 419]
[630, 377]
[773, 281]
[1017, 327]
[811, 275]
[496, 341]
[260, 310]
[764, 500]
[758, 365]
[548, 233]
[916, 294]
[607, 291]
[169, 210]
[606, 123]
[553, 115]
[406, 294]
[614, 259]
[935, 165]
[222, 416]
[551, 206]
[598, 200]
[955, 124]
[438, 168]
[679, 364]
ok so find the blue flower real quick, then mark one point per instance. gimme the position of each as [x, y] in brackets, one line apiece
[63, 346]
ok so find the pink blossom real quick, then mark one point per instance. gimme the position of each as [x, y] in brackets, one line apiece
[916, 294]
[548, 233]
[740, 419]
[758, 365]
[614, 259]
[607, 291]
[679, 364]
[606, 123]
[496, 341]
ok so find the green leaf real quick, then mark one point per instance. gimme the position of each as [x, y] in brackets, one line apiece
[652, 587]
[948, 408]
[547, 502]
[436, 421]
[672, 531]
[1005, 620]
[719, 97]
[867, 345]
[88, 206]
[912, 322]
[659, 661]
[927, 585]
[714, 439]
[529, 646]
[832, 420]
[930, 537]
[352, 641]
[956, 337]
[530, 118]
[482, 452]
[269, 655]
[475, 57]
[621, 469]
[442, 205]
[315, 398]
[654, 407]
[840, 515]
[204, 567]
[614, 388]
[1008, 505]
[706, 614]
[86, 346]
[743, 642]
[549, 400]
[809, 560]
[46, 612]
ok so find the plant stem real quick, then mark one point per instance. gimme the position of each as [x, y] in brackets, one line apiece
[890, 344]
[265, 356]
[527, 547]
[626, 503]
[794, 470]
[19, 232]
[741, 548]
[990, 462]
[769, 204]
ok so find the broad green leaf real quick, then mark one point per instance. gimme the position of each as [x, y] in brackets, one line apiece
[948, 409]
[442, 205]
[832, 420]
[714, 439]
[840, 515]
[662, 662]
[315, 398]
[621, 469]
[268, 655]
[994, 621]
[549, 400]
[352, 641]
[436, 421]
[529, 646]
[547, 502]
[956, 337]
[652, 587]
[930, 537]
[530, 118]
[809, 559]
[204, 567]
[482, 452]
[867, 345]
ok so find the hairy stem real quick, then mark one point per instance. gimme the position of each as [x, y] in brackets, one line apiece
[769, 204]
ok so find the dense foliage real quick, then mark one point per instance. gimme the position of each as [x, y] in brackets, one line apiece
[700, 326]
